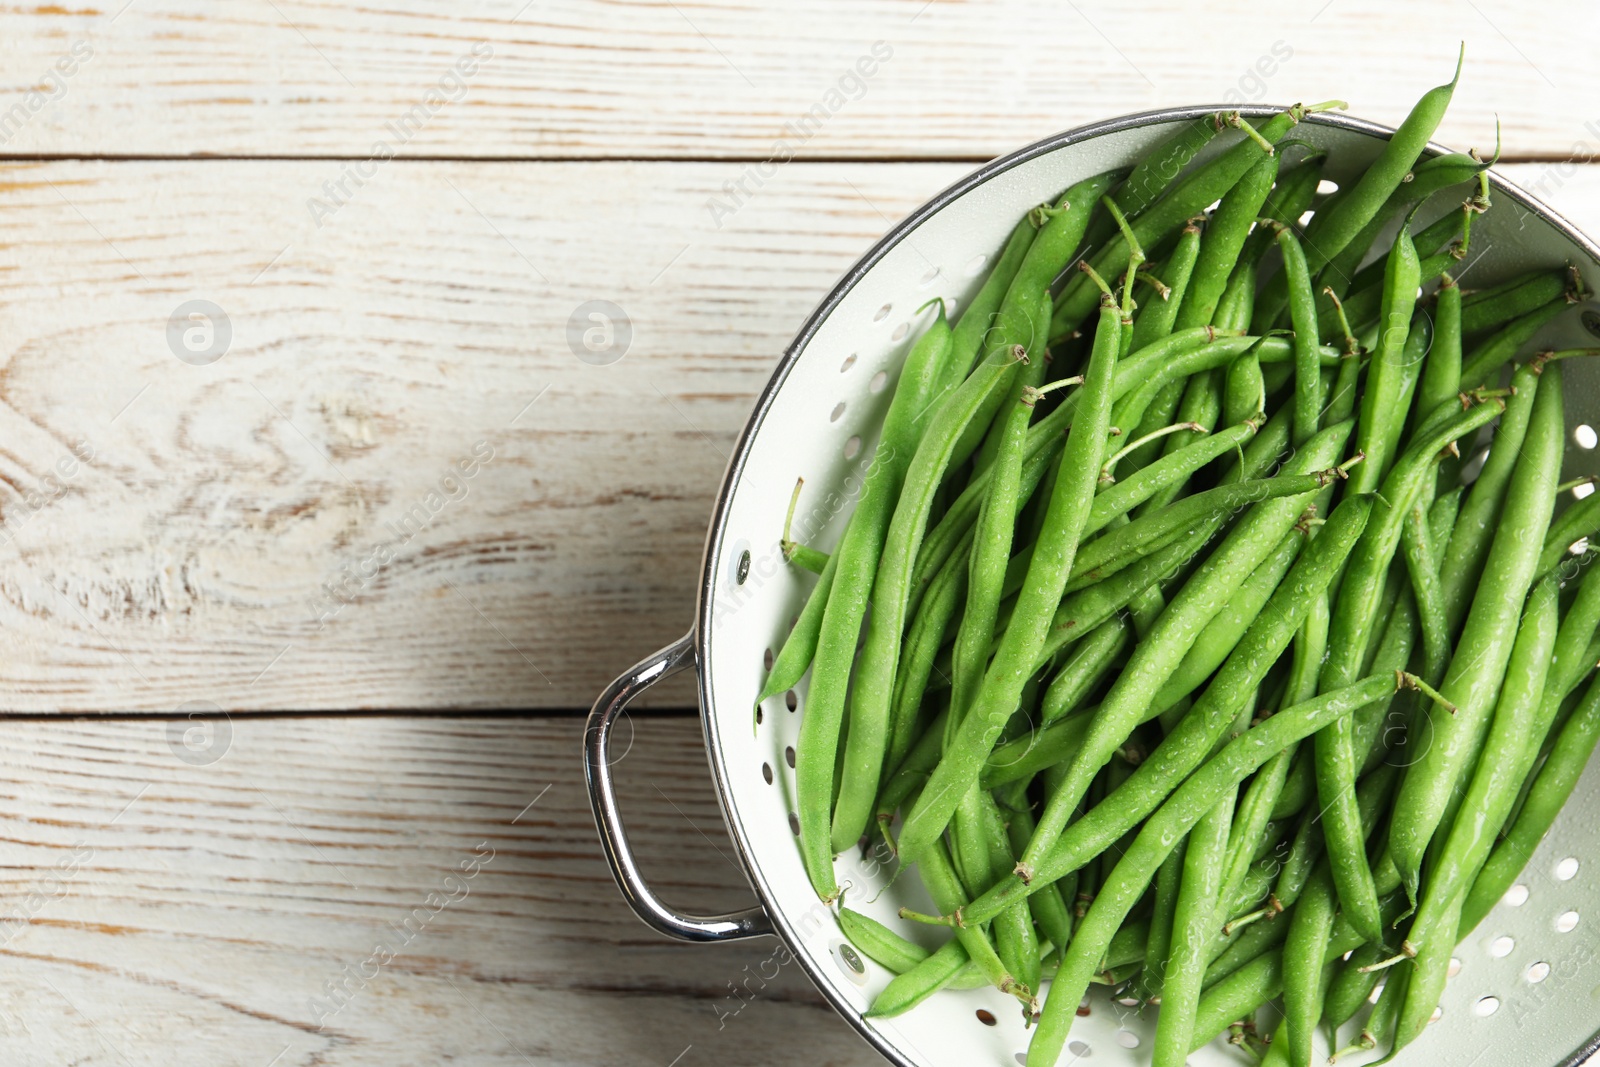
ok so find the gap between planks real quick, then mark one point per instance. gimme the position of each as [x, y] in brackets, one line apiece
[498, 714]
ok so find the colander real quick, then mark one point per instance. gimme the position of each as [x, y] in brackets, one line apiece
[1525, 992]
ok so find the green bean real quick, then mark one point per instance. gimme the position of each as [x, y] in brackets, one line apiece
[1338, 275]
[1150, 368]
[1047, 575]
[1343, 831]
[1095, 654]
[1127, 946]
[1239, 995]
[1393, 651]
[1299, 787]
[1430, 941]
[1238, 298]
[952, 534]
[1342, 394]
[1336, 226]
[921, 651]
[1486, 501]
[1304, 853]
[1310, 647]
[1197, 795]
[1485, 644]
[1575, 656]
[1310, 925]
[1386, 399]
[1442, 516]
[1441, 376]
[1445, 171]
[1575, 743]
[1244, 393]
[1201, 187]
[879, 943]
[1487, 359]
[991, 549]
[969, 856]
[1252, 816]
[1434, 242]
[1487, 309]
[1148, 554]
[1522, 717]
[1381, 1024]
[1171, 469]
[1153, 323]
[1223, 240]
[1163, 916]
[1291, 197]
[1193, 928]
[1276, 376]
[806, 558]
[794, 658]
[871, 690]
[1571, 658]
[1303, 317]
[1088, 882]
[1261, 803]
[1024, 757]
[1428, 594]
[1351, 986]
[920, 982]
[817, 751]
[1253, 888]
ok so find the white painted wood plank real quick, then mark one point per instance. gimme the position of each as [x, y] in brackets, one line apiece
[423, 326]
[184, 560]
[585, 78]
[163, 912]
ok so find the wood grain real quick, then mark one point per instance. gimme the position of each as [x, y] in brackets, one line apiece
[726, 78]
[188, 558]
[152, 903]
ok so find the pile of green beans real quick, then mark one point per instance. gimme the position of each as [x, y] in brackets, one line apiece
[1200, 662]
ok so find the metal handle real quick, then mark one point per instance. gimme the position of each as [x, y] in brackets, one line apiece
[752, 922]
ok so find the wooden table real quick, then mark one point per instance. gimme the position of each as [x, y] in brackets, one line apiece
[293, 419]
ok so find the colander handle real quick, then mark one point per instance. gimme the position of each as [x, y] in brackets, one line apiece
[752, 922]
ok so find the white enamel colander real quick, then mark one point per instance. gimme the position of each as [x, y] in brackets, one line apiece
[1527, 991]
